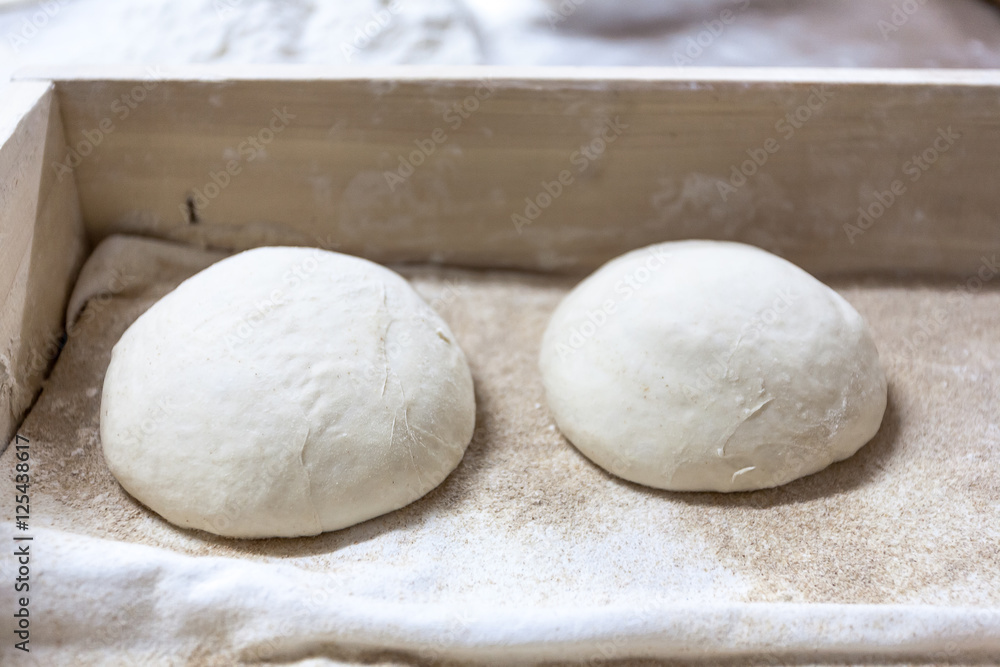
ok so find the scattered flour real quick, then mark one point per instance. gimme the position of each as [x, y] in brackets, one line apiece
[849, 33]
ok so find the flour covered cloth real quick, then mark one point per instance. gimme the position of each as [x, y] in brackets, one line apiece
[528, 552]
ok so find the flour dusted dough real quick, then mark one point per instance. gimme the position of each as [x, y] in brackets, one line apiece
[285, 392]
[711, 366]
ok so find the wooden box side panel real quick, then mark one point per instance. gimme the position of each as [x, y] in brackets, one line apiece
[41, 245]
[892, 171]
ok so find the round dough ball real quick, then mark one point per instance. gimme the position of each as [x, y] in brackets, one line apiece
[711, 366]
[285, 392]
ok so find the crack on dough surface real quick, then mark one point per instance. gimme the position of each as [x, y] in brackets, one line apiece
[309, 486]
[745, 418]
[408, 439]
[385, 339]
[743, 471]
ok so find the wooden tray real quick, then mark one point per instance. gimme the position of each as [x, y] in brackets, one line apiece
[548, 171]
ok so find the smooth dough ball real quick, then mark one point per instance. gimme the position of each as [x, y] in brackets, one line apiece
[285, 392]
[711, 366]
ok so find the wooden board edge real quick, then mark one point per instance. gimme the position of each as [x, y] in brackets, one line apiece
[41, 245]
[529, 75]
